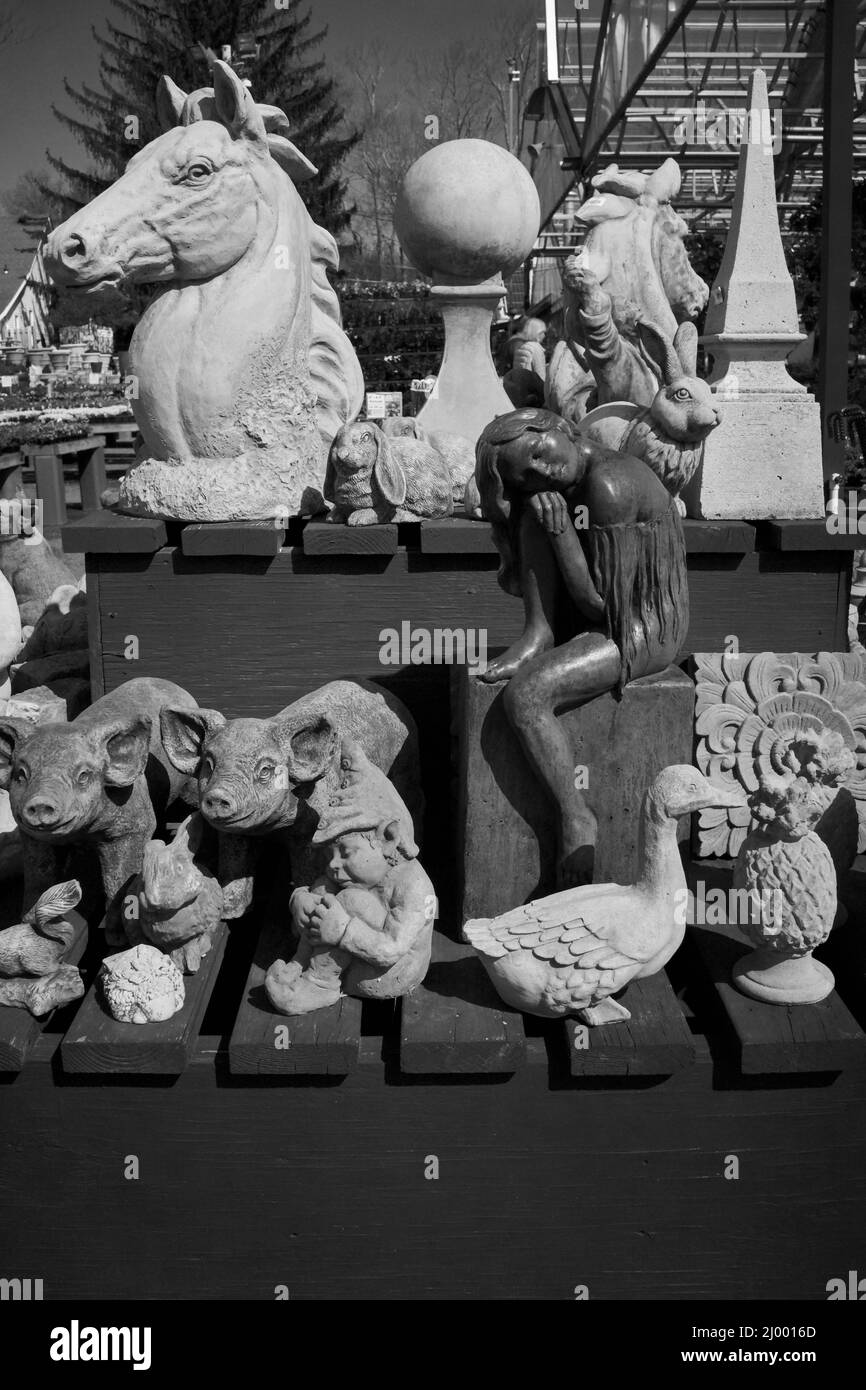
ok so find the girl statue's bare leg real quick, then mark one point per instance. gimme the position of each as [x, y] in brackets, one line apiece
[539, 579]
[568, 675]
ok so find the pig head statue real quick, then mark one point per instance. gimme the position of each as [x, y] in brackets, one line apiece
[101, 781]
[261, 776]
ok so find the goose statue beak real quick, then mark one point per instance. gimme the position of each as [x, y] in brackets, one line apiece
[711, 794]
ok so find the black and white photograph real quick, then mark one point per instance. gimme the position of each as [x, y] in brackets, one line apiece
[432, 674]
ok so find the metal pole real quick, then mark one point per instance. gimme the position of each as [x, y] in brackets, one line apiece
[836, 214]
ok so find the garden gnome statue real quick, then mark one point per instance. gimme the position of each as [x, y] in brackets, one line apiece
[467, 214]
[366, 921]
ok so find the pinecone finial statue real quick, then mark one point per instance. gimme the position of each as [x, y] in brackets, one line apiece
[789, 872]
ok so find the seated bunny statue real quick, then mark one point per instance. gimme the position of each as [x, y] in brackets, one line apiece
[371, 477]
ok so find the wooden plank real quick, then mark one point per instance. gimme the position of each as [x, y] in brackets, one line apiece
[96, 1044]
[805, 535]
[265, 1043]
[455, 1021]
[232, 538]
[107, 533]
[772, 1039]
[63, 446]
[655, 1041]
[718, 537]
[19, 1030]
[457, 535]
[327, 538]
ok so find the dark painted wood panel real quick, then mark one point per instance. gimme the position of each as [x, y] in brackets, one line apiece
[543, 1184]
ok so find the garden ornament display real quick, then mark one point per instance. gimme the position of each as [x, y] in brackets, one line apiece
[574, 520]
[571, 952]
[372, 477]
[789, 872]
[243, 372]
[101, 781]
[257, 777]
[366, 920]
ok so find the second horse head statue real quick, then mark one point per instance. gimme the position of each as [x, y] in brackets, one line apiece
[243, 373]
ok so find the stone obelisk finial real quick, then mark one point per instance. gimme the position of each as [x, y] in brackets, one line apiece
[764, 460]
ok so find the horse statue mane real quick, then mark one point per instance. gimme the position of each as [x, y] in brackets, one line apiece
[334, 368]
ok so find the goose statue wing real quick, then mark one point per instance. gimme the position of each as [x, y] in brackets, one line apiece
[591, 936]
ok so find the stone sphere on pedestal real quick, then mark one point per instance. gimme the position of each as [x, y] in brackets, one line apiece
[467, 213]
[468, 210]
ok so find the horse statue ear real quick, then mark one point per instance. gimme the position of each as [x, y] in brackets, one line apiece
[287, 155]
[234, 105]
[664, 182]
[170, 101]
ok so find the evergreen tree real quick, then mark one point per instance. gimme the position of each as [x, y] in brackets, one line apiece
[152, 37]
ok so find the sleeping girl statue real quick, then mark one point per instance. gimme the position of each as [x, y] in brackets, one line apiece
[592, 542]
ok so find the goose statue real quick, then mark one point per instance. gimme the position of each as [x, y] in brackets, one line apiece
[569, 953]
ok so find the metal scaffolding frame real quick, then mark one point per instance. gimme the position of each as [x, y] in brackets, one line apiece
[636, 82]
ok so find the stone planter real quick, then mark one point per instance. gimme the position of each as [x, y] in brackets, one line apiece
[16, 357]
[39, 358]
[60, 357]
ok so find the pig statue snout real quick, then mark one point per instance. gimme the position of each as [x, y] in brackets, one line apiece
[42, 812]
[219, 805]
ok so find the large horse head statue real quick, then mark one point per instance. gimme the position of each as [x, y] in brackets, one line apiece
[242, 369]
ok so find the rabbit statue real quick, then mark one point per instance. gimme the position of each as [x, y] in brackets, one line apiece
[371, 477]
[669, 434]
[457, 451]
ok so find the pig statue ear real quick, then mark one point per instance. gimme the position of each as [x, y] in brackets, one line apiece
[127, 744]
[184, 733]
[309, 751]
[12, 734]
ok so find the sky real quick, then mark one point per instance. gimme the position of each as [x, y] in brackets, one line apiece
[57, 42]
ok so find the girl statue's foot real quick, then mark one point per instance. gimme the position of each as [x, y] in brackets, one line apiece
[577, 851]
[522, 651]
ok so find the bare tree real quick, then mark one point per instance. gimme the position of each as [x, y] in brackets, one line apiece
[403, 105]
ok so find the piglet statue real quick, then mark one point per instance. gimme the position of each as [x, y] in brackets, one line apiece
[261, 777]
[101, 781]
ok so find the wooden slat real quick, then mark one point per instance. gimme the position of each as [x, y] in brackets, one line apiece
[718, 537]
[326, 538]
[456, 535]
[107, 533]
[19, 1030]
[655, 1041]
[265, 1043]
[232, 538]
[61, 447]
[455, 1021]
[803, 535]
[771, 1038]
[97, 1044]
